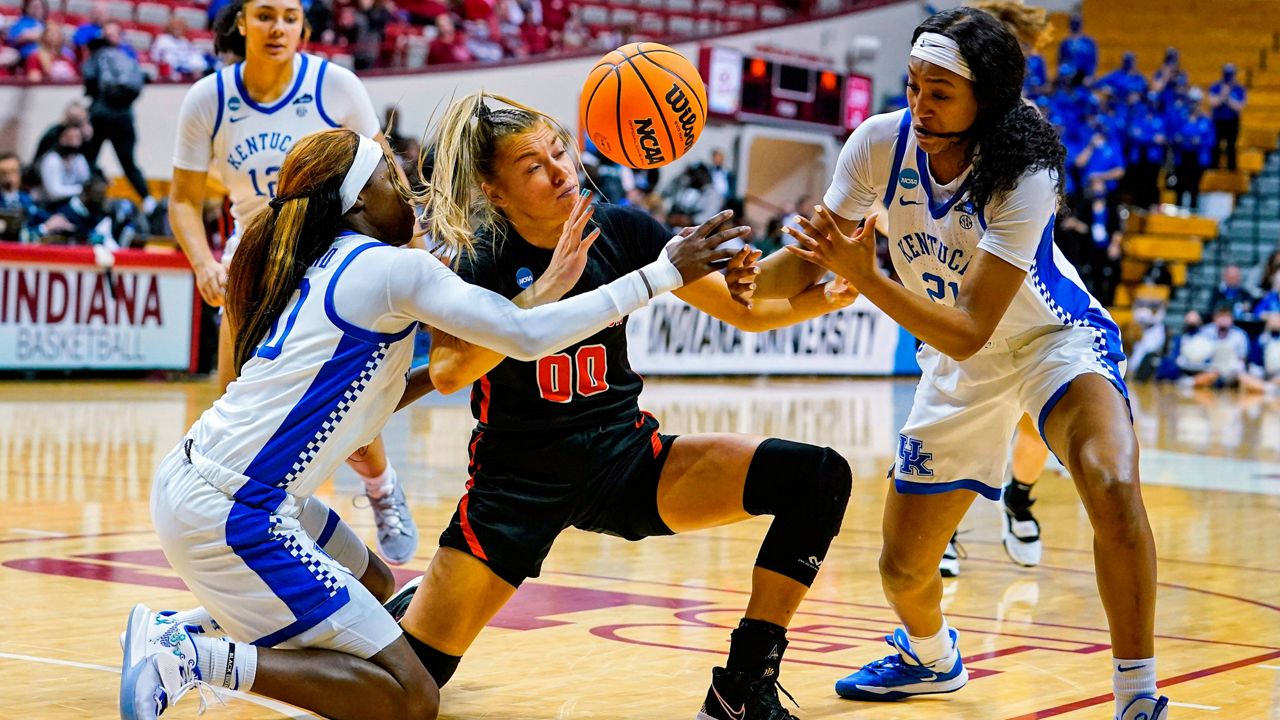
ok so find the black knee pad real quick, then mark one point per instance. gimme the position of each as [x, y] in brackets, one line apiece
[440, 666]
[806, 488]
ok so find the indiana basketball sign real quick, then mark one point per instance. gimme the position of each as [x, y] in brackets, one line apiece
[60, 311]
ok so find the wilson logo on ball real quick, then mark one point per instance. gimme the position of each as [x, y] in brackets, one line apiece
[679, 104]
[649, 144]
[643, 105]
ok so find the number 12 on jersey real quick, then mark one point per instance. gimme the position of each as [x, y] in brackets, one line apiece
[556, 374]
[268, 176]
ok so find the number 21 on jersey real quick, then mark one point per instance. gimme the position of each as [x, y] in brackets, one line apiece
[557, 373]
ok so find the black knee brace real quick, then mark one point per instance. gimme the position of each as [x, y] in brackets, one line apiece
[806, 489]
[439, 665]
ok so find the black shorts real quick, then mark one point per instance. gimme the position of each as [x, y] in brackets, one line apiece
[527, 487]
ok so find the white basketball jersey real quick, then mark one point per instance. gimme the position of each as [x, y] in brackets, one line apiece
[317, 388]
[934, 236]
[242, 143]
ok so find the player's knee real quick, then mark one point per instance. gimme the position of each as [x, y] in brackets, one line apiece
[900, 573]
[1106, 472]
[421, 703]
[787, 477]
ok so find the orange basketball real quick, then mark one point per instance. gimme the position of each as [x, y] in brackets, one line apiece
[644, 105]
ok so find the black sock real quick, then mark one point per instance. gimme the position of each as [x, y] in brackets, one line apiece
[439, 665]
[1017, 494]
[756, 649]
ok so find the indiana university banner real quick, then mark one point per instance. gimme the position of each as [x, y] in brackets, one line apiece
[670, 337]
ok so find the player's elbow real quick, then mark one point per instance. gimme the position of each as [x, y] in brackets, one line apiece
[446, 377]
[968, 345]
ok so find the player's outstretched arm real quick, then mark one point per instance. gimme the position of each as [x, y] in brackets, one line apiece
[958, 332]
[712, 295]
[784, 275]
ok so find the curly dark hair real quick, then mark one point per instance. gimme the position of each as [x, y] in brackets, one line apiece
[1012, 138]
[226, 37]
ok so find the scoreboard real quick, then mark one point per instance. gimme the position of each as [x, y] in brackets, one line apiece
[782, 89]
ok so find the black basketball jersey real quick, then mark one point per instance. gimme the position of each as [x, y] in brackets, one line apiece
[590, 383]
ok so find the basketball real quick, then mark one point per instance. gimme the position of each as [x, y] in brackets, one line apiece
[644, 105]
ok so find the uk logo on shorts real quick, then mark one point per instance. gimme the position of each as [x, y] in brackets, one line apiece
[524, 277]
[911, 458]
[909, 179]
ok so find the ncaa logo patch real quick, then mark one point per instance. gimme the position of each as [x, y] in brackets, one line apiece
[909, 179]
[233, 104]
[524, 278]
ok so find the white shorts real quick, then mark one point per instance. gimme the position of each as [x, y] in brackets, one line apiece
[964, 414]
[229, 249]
[258, 572]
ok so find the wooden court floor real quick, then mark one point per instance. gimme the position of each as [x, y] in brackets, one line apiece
[614, 630]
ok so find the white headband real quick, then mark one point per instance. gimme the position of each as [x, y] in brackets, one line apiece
[368, 153]
[943, 52]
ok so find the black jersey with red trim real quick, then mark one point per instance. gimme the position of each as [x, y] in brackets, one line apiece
[588, 384]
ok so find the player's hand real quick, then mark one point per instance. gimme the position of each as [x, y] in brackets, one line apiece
[839, 293]
[211, 278]
[740, 275]
[821, 242]
[699, 253]
[570, 256]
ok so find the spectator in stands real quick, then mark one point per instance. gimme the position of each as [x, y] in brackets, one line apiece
[87, 218]
[1227, 98]
[722, 178]
[74, 114]
[25, 32]
[17, 208]
[320, 19]
[1270, 302]
[1079, 51]
[1168, 83]
[52, 60]
[113, 80]
[1265, 360]
[363, 25]
[423, 12]
[1217, 356]
[64, 170]
[1126, 79]
[1148, 146]
[1258, 276]
[92, 29]
[1193, 150]
[449, 45]
[1232, 294]
[176, 56]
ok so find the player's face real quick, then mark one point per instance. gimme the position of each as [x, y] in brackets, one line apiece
[272, 29]
[385, 208]
[535, 176]
[941, 102]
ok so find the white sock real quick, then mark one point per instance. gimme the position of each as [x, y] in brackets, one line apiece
[226, 664]
[148, 203]
[936, 651]
[376, 487]
[199, 619]
[1132, 679]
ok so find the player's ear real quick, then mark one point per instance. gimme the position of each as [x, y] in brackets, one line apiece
[240, 25]
[359, 205]
[494, 197]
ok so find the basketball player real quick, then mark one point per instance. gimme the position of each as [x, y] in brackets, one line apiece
[238, 124]
[1020, 531]
[971, 179]
[324, 312]
[561, 442]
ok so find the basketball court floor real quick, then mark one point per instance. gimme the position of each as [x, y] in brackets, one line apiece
[621, 631]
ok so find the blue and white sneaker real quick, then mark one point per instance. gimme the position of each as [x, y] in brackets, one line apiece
[902, 675]
[1146, 708]
[397, 532]
[160, 665]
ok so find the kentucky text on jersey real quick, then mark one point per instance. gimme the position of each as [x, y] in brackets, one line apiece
[267, 141]
[918, 245]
